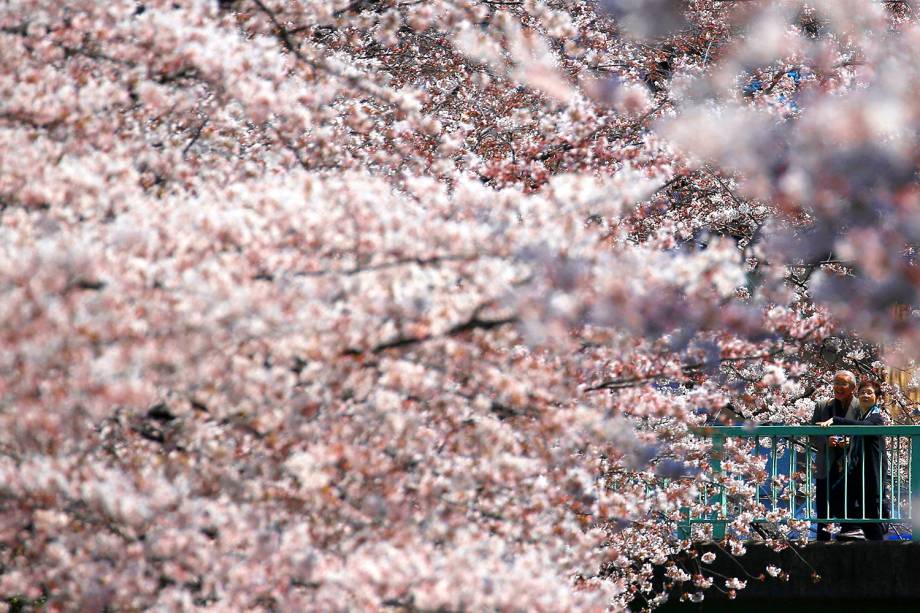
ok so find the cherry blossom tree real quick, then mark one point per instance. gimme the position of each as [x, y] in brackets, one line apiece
[414, 305]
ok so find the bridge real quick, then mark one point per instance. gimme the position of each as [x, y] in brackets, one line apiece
[789, 489]
[818, 576]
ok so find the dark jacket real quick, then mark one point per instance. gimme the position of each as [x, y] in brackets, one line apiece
[824, 410]
[868, 467]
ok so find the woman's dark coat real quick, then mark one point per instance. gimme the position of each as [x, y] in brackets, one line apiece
[869, 469]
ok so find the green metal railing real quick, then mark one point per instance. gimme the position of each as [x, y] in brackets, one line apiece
[790, 486]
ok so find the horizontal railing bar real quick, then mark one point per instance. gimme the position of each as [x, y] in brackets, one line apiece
[757, 431]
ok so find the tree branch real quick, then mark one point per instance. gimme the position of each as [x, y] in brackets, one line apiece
[688, 368]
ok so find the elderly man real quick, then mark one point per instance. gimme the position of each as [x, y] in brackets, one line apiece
[829, 456]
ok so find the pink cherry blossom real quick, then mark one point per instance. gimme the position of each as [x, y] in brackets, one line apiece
[346, 305]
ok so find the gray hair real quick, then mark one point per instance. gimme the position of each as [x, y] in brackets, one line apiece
[846, 374]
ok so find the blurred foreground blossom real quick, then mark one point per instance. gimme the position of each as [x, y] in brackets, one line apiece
[648, 18]
[312, 306]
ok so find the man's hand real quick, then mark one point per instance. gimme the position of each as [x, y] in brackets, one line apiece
[825, 424]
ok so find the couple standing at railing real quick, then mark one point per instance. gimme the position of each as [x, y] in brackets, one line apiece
[850, 476]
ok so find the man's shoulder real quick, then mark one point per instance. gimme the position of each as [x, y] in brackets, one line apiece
[822, 404]
[821, 410]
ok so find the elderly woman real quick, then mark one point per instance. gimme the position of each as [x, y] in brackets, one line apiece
[866, 463]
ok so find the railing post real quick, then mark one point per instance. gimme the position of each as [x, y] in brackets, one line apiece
[914, 488]
[718, 523]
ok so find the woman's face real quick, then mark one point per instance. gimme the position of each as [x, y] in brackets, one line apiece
[867, 397]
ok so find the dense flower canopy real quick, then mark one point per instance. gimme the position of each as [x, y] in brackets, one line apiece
[346, 305]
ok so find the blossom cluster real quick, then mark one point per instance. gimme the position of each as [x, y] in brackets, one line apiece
[312, 305]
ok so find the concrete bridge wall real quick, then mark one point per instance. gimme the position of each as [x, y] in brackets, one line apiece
[856, 576]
